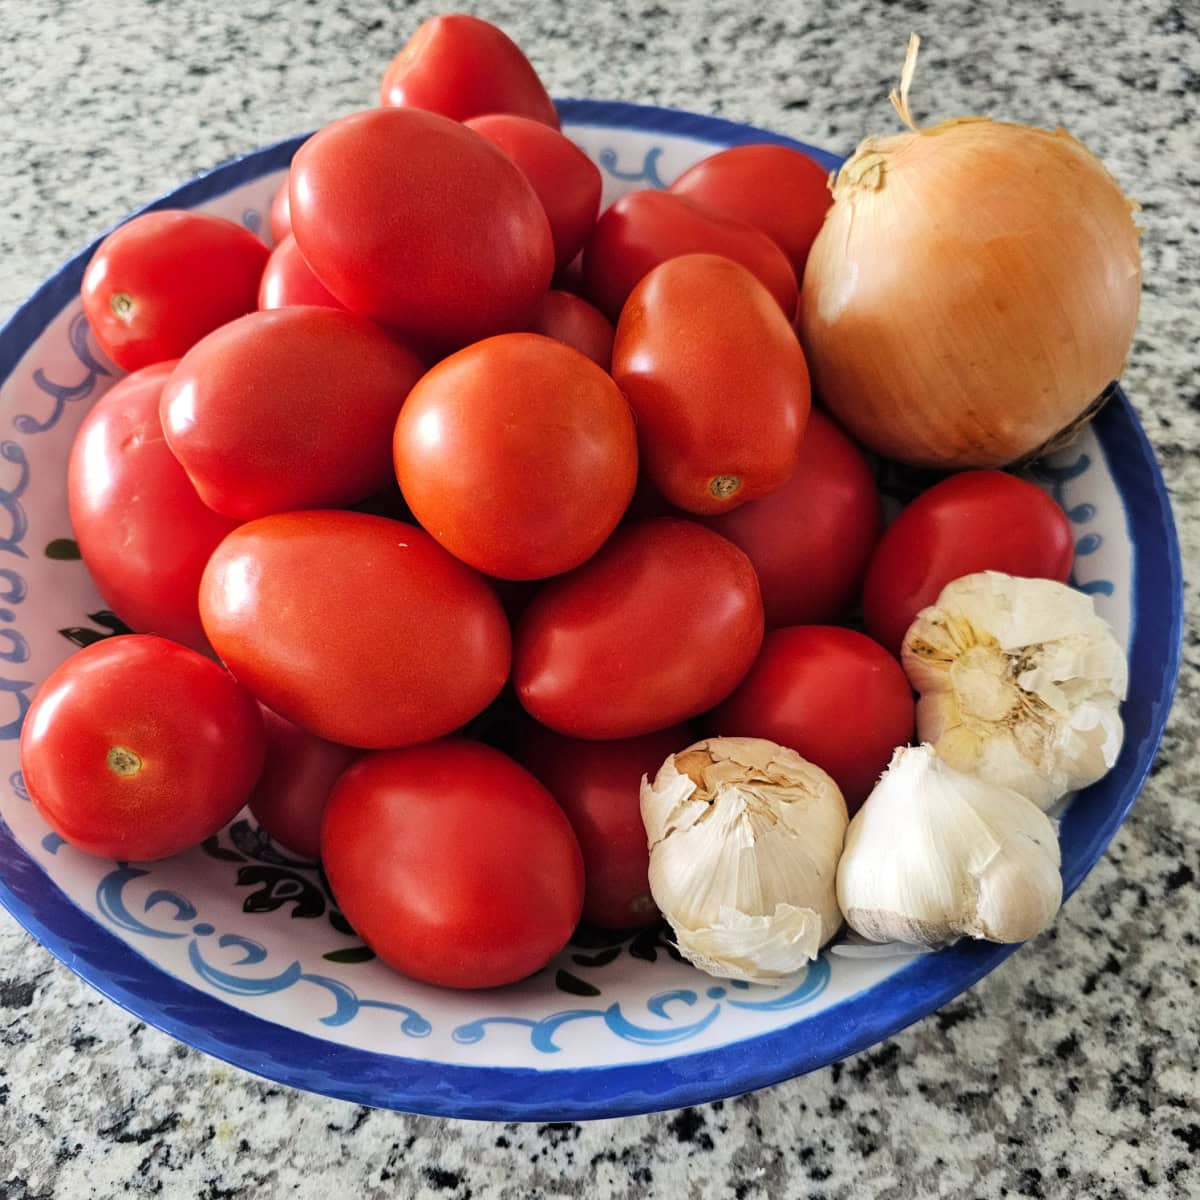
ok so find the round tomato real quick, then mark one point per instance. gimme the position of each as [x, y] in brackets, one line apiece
[138, 748]
[569, 319]
[973, 521]
[419, 223]
[453, 863]
[288, 280]
[461, 67]
[644, 229]
[776, 189]
[566, 180]
[832, 695]
[656, 628]
[160, 282]
[598, 785]
[811, 538]
[298, 775]
[143, 532]
[361, 630]
[717, 380]
[518, 454]
[279, 216]
[292, 408]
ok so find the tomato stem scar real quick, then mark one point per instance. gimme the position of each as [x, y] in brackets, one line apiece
[122, 761]
[121, 305]
[723, 486]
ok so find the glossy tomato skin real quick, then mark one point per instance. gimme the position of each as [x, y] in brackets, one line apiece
[287, 409]
[453, 863]
[419, 223]
[810, 540]
[598, 785]
[644, 229]
[357, 628]
[462, 67]
[567, 182]
[572, 320]
[279, 215]
[776, 189]
[163, 280]
[659, 626]
[139, 748]
[833, 695]
[717, 380]
[144, 533]
[518, 454]
[288, 281]
[297, 777]
[972, 521]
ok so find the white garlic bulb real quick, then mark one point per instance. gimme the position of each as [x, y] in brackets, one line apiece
[1020, 683]
[744, 839]
[936, 853]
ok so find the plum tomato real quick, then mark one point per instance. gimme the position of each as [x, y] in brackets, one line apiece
[288, 281]
[569, 319]
[279, 215]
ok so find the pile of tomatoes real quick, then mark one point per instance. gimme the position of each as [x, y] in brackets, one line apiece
[398, 489]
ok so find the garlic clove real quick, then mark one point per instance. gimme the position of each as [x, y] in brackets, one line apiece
[744, 840]
[1020, 681]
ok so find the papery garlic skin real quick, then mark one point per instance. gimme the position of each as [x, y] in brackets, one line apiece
[1020, 682]
[745, 837]
[936, 853]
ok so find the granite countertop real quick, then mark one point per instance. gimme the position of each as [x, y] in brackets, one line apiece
[1074, 1069]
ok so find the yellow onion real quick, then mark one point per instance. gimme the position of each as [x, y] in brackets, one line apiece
[973, 291]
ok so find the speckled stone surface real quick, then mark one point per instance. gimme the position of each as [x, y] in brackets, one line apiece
[1073, 1070]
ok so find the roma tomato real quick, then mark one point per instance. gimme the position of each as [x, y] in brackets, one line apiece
[138, 748]
[567, 181]
[453, 863]
[160, 282]
[569, 319]
[972, 521]
[833, 695]
[288, 281]
[598, 785]
[811, 538]
[361, 630]
[656, 628]
[144, 533]
[518, 454]
[776, 189]
[644, 229]
[419, 223]
[298, 775]
[279, 216]
[717, 380]
[287, 409]
[462, 67]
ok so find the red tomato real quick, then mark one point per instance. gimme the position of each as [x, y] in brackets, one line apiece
[811, 538]
[287, 409]
[834, 696]
[160, 282]
[518, 454]
[598, 785]
[776, 189]
[143, 532]
[462, 67]
[717, 380]
[644, 229]
[279, 216]
[298, 775]
[567, 181]
[973, 521]
[288, 281]
[453, 863]
[656, 628]
[419, 223]
[361, 630]
[137, 748]
[569, 319]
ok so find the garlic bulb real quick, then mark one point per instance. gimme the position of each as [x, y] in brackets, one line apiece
[744, 843]
[1020, 682]
[936, 853]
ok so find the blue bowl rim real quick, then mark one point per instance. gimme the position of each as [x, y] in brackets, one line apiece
[524, 1094]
